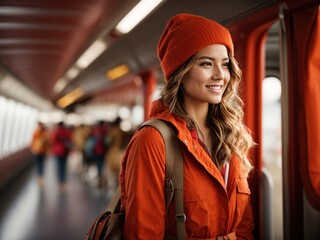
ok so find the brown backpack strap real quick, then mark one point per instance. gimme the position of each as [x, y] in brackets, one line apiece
[174, 171]
[115, 202]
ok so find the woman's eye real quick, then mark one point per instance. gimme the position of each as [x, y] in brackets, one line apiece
[225, 64]
[206, 64]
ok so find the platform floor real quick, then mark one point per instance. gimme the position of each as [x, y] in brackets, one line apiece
[29, 212]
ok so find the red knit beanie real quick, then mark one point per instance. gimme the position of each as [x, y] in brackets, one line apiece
[185, 35]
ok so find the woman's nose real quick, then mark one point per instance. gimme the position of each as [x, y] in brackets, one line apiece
[217, 73]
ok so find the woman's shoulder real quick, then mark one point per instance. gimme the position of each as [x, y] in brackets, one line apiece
[148, 134]
[147, 145]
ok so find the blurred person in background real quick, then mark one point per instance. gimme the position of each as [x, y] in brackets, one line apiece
[60, 147]
[39, 147]
[80, 135]
[100, 144]
[115, 152]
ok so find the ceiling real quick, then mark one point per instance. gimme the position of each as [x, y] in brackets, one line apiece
[41, 40]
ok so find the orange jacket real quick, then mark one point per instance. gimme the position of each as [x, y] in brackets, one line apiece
[211, 208]
[40, 142]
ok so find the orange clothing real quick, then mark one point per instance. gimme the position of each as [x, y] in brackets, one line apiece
[211, 208]
[40, 142]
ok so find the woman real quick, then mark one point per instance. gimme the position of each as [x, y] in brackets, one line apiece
[39, 147]
[201, 101]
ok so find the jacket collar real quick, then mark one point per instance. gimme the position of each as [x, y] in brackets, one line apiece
[189, 140]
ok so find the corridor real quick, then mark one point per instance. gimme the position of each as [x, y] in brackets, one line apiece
[28, 212]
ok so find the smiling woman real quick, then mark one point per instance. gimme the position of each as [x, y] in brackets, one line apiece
[204, 76]
[201, 103]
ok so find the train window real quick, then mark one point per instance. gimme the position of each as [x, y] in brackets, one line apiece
[271, 142]
[17, 122]
[2, 119]
[26, 125]
[7, 130]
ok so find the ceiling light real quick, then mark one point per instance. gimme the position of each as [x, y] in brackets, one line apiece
[72, 72]
[70, 97]
[91, 54]
[137, 13]
[117, 72]
[60, 85]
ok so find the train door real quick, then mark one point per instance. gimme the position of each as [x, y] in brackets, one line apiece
[271, 139]
[290, 166]
[297, 175]
[300, 71]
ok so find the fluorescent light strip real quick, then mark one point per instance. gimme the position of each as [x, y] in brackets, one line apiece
[84, 61]
[91, 54]
[73, 72]
[136, 15]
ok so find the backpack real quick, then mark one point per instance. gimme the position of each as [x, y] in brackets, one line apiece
[109, 225]
[89, 146]
[99, 134]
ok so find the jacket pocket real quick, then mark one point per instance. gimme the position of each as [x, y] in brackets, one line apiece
[200, 220]
[243, 195]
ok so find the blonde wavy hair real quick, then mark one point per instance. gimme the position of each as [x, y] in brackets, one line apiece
[229, 134]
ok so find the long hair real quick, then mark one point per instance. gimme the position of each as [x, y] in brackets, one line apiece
[229, 134]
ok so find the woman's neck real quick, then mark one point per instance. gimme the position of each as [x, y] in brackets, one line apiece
[199, 114]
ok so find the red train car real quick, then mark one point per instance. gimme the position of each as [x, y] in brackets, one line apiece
[72, 61]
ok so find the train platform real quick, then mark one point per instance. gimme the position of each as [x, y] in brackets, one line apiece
[31, 212]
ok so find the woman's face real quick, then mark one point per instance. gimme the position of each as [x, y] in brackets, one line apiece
[207, 79]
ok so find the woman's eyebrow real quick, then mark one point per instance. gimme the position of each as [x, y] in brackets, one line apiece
[211, 58]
